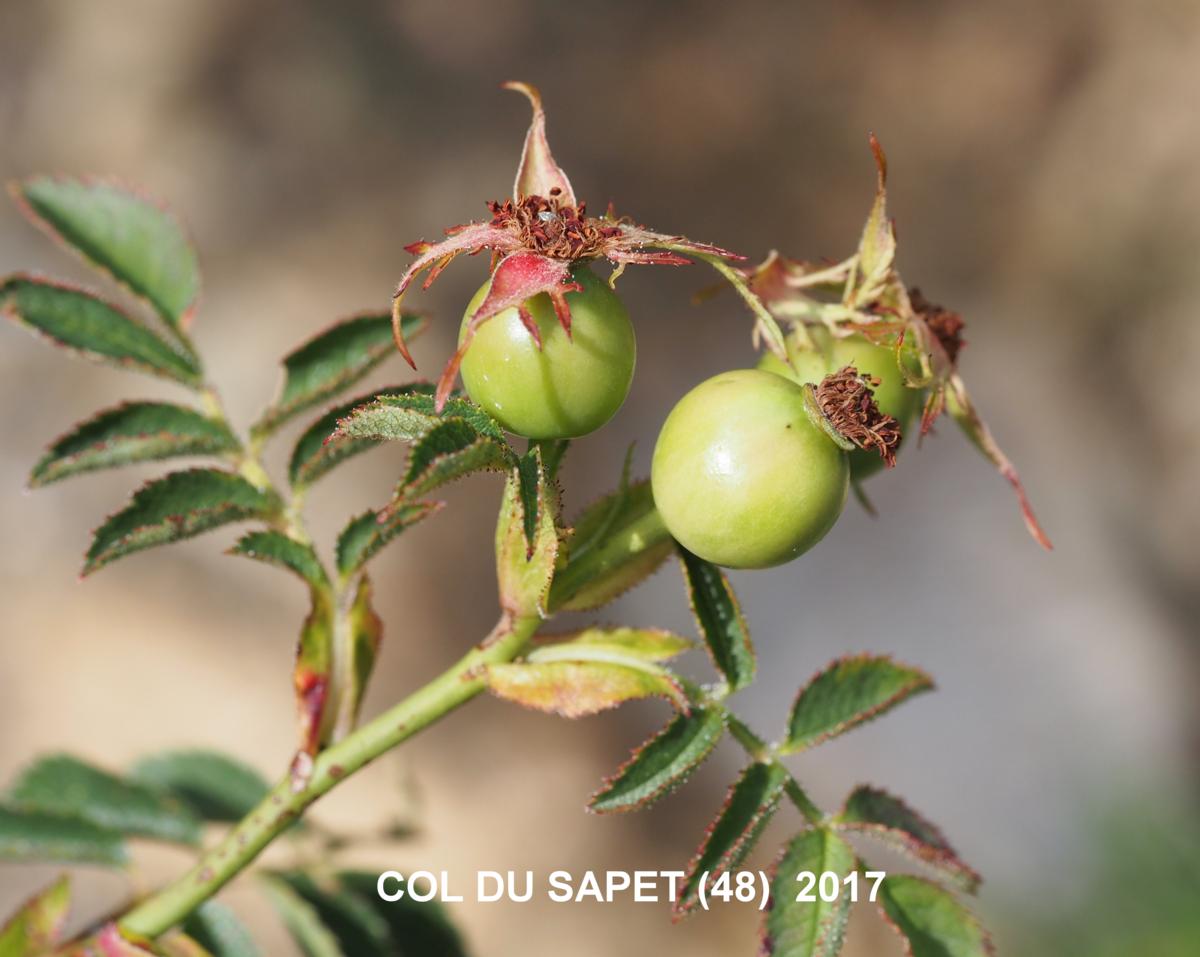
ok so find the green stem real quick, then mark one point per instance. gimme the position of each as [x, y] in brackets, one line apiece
[758, 749]
[454, 687]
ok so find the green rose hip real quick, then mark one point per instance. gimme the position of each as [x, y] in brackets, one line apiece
[892, 396]
[742, 476]
[571, 385]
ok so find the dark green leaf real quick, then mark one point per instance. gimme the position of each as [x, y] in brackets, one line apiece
[128, 236]
[276, 548]
[573, 689]
[358, 928]
[931, 919]
[747, 809]
[813, 928]
[448, 451]
[418, 928]
[663, 763]
[617, 543]
[217, 929]
[847, 693]
[41, 836]
[332, 361]
[318, 449]
[214, 786]
[873, 811]
[180, 505]
[93, 328]
[720, 620]
[407, 417]
[365, 535]
[66, 786]
[37, 926]
[133, 432]
[302, 921]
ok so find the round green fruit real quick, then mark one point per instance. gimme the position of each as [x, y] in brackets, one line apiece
[892, 396]
[742, 477]
[571, 385]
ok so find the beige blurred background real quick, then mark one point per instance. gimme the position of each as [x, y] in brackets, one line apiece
[1044, 182]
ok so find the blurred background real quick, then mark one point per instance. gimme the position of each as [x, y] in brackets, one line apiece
[1044, 182]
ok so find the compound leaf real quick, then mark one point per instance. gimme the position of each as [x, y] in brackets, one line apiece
[849, 692]
[63, 785]
[369, 532]
[720, 620]
[177, 506]
[126, 235]
[133, 432]
[214, 786]
[93, 328]
[747, 809]
[872, 811]
[27, 835]
[813, 928]
[37, 926]
[331, 361]
[663, 763]
[318, 450]
[931, 919]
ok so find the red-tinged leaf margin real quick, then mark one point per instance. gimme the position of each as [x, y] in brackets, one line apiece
[766, 783]
[830, 917]
[963, 411]
[703, 730]
[38, 924]
[518, 277]
[719, 618]
[177, 324]
[920, 682]
[575, 689]
[538, 174]
[985, 948]
[908, 831]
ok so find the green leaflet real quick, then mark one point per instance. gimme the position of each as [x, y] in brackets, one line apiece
[93, 328]
[720, 620]
[66, 786]
[617, 543]
[177, 506]
[747, 809]
[302, 921]
[416, 927]
[872, 811]
[132, 238]
[217, 929]
[663, 763]
[133, 432]
[369, 532]
[318, 450]
[573, 689]
[811, 928]
[276, 548]
[214, 786]
[877, 247]
[849, 692]
[332, 361]
[600, 642]
[41, 836]
[931, 919]
[356, 926]
[407, 417]
[37, 926]
[450, 450]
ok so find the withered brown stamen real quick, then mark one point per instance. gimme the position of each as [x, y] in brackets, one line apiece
[552, 228]
[945, 324]
[848, 404]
